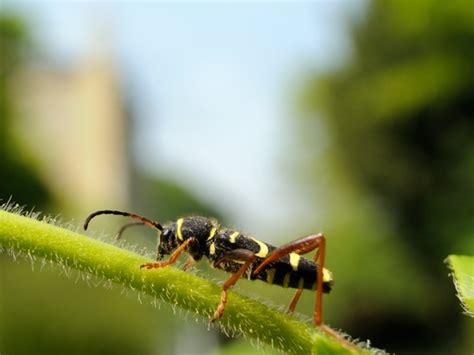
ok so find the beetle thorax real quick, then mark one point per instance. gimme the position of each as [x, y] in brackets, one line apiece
[194, 226]
[177, 232]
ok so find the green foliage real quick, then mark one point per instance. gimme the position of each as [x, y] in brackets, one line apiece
[13, 36]
[463, 275]
[401, 113]
[36, 239]
[168, 200]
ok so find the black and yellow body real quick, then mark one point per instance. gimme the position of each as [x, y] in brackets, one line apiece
[241, 255]
[292, 271]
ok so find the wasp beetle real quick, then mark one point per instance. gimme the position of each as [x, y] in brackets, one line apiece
[240, 255]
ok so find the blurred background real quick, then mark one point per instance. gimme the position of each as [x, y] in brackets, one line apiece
[354, 118]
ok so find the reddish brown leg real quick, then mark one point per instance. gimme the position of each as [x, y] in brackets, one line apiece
[172, 258]
[238, 254]
[320, 254]
[294, 300]
[188, 264]
[303, 246]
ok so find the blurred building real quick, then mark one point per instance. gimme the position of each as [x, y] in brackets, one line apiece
[74, 123]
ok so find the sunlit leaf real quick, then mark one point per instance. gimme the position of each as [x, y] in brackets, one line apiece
[463, 275]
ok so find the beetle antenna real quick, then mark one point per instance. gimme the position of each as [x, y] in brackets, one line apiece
[126, 226]
[141, 219]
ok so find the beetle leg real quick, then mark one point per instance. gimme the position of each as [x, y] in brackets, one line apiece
[239, 254]
[302, 246]
[294, 300]
[188, 264]
[172, 258]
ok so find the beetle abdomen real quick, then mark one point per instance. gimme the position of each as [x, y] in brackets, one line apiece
[305, 277]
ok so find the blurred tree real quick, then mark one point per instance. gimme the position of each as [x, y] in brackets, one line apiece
[17, 178]
[43, 313]
[166, 201]
[400, 115]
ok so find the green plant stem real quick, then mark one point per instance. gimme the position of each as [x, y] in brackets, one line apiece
[254, 320]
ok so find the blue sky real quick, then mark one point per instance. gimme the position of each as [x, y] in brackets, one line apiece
[212, 84]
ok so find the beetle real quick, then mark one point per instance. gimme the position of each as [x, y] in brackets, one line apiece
[239, 254]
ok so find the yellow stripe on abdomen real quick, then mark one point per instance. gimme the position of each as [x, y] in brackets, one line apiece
[294, 261]
[270, 275]
[327, 275]
[179, 224]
